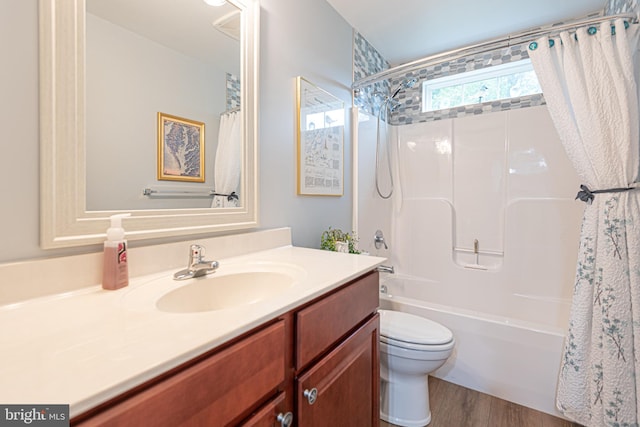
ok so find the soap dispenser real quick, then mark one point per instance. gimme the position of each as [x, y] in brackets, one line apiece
[115, 274]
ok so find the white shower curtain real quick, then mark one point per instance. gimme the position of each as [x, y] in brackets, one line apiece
[590, 89]
[227, 166]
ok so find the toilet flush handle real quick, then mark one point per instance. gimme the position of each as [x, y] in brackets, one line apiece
[311, 395]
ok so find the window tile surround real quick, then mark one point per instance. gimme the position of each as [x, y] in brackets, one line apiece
[233, 92]
[410, 109]
[615, 7]
[367, 61]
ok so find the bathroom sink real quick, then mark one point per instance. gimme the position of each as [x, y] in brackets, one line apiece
[232, 285]
[222, 292]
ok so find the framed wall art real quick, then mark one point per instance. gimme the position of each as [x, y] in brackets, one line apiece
[180, 149]
[320, 140]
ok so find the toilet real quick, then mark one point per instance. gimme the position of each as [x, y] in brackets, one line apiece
[411, 347]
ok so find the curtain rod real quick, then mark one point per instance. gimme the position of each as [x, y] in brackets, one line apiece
[233, 110]
[484, 47]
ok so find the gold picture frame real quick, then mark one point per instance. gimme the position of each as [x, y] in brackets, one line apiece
[180, 149]
[320, 141]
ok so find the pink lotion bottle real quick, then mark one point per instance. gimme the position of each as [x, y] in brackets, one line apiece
[115, 273]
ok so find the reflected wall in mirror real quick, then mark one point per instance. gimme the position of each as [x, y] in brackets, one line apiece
[149, 56]
[96, 161]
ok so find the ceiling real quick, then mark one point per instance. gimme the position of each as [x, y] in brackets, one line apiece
[406, 30]
[188, 26]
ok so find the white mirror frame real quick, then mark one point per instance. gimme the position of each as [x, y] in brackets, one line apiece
[64, 220]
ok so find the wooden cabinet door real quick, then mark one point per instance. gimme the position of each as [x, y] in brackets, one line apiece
[346, 384]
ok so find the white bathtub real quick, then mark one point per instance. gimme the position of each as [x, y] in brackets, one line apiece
[515, 357]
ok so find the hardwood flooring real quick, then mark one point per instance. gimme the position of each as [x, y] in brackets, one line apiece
[456, 406]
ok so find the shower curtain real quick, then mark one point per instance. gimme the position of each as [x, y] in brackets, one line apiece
[227, 165]
[588, 79]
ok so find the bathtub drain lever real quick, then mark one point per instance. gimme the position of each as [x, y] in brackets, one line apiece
[476, 251]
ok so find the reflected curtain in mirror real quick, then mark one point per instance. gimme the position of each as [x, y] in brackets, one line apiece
[227, 168]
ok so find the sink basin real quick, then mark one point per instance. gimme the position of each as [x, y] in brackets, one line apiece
[221, 292]
[233, 285]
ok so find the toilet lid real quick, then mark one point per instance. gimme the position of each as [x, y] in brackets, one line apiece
[412, 329]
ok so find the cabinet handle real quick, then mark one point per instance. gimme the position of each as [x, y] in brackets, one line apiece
[285, 419]
[311, 395]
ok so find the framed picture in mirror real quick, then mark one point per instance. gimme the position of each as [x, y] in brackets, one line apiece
[180, 149]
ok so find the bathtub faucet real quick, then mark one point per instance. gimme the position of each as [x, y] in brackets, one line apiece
[385, 269]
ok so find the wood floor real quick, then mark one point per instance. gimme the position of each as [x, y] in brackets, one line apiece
[455, 406]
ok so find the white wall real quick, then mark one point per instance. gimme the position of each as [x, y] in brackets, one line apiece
[298, 37]
[19, 174]
[374, 212]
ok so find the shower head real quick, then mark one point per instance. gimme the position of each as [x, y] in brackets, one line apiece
[392, 104]
[407, 84]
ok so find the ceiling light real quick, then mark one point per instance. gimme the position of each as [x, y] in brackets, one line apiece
[215, 2]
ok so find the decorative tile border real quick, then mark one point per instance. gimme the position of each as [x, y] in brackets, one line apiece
[233, 92]
[367, 61]
[615, 7]
[416, 116]
[410, 109]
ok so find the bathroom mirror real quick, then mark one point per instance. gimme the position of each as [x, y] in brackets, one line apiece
[65, 218]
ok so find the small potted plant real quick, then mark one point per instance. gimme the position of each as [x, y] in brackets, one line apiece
[337, 240]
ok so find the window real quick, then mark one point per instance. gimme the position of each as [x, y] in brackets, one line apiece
[487, 84]
[324, 119]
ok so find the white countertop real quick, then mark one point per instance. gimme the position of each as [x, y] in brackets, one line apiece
[85, 347]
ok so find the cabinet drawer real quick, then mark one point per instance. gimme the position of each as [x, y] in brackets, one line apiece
[323, 323]
[213, 392]
[268, 414]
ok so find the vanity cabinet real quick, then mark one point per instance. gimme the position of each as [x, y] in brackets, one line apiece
[316, 365]
[217, 390]
[337, 360]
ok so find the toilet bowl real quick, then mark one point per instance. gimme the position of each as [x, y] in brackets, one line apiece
[411, 347]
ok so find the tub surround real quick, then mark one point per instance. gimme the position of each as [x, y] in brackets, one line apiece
[86, 346]
[517, 309]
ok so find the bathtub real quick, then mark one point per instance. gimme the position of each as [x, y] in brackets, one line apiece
[511, 351]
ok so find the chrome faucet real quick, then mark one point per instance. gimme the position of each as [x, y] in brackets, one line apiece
[386, 269]
[378, 240]
[197, 265]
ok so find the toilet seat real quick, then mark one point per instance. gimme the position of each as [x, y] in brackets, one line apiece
[413, 332]
[433, 348]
